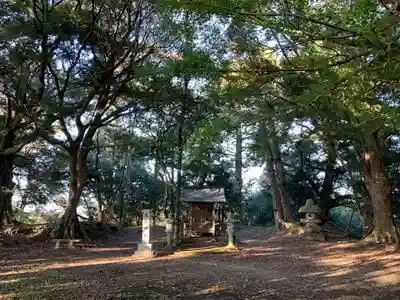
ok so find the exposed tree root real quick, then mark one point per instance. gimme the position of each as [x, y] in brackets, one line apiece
[69, 227]
[18, 228]
[391, 238]
[291, 228]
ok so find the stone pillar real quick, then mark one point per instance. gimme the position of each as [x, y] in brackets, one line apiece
[230, 229]
[215, 220]
[169, 231]
[145, 247]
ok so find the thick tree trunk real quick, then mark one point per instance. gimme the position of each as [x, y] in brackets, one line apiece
[276, 197]
[327, 185]
[69, 227]
[6, 193]
[270, 178]
[366, 212]
[280, 180]
[379, 188]
[6, 182]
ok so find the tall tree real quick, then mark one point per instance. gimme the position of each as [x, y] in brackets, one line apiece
[22, 92]
[90, 67]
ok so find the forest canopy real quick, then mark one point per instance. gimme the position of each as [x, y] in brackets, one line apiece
[109, 107]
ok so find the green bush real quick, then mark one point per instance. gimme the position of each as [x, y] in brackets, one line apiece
[341, 216]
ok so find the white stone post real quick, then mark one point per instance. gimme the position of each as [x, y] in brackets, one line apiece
[169, 232]
[230, 229]
[145, 247]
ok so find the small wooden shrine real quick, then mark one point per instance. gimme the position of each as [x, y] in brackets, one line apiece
[204, 210]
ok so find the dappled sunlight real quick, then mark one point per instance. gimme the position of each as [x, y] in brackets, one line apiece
[371, 267]
[336, 261]
[264, 249]
[213, 289]
[205, 250]
[14, 280]
[108, 249]
[55, 265]
[313, 274]
[85, 262]
[262, 271]
[46, 291]
[384, 277]
[340, 272]
[278, 279]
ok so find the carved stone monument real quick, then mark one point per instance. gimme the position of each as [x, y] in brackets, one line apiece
[312, 230]
[145, 248]
[230, 227]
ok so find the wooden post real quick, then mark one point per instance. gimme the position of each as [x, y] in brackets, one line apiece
[191, 220]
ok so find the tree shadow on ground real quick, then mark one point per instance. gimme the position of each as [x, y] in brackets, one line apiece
[281, 269]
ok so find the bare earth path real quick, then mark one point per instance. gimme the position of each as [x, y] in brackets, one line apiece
[280, 268]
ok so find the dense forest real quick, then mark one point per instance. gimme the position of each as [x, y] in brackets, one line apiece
[109, 107]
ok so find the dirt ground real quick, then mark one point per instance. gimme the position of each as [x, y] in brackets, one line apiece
[263, 268]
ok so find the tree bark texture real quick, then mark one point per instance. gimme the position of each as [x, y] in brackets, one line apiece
[276, 197]
[279, 174]
[378, 186]
[6, 181]
[6, 191]
[270, 177]
[327, 185]
[69, 227]
[238, 169]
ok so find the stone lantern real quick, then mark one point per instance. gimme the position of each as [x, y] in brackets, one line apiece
[312, 230]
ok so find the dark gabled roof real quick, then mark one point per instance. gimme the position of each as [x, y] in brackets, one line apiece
[204, 195]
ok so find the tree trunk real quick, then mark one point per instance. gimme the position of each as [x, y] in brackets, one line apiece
[280, 180]
[366, 212]
[276, 197]
[6, 192]
[101, 214]
[327, 185]
[69, 226]
[379, 188]
[270, 178]
[6, 182]
[238, 170]
[179, 183]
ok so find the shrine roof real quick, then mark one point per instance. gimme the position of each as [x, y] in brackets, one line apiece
[203, 195]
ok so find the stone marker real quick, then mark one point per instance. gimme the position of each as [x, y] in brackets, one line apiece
[145, 247]
[169, 232]
[312, 231]
[230, 229]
